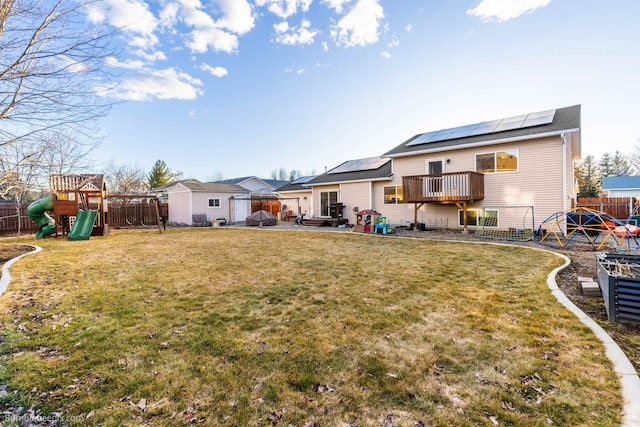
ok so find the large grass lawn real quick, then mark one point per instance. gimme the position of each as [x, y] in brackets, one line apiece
[254, 327]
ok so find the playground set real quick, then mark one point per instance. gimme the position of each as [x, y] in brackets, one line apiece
[583, 228]
[78, 206]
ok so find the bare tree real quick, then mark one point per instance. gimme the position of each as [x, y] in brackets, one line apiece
[216, 176]
[51, 64]
[125, 179]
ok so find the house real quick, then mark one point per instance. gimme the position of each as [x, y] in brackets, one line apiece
[296, 196]
[521, 164]
[621, 186]
[255, 185]
[262, 195]
[353, 184]
[211, 200]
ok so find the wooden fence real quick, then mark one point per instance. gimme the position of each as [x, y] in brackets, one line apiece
[618, 207]
[14, 219]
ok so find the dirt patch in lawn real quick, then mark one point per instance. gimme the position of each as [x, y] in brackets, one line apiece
[8, 252]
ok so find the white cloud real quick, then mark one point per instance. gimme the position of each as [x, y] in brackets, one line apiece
[285, 8]
[151, 57]
[294, 36]
[385, 55]
[127, 64]
[503, 10]
[204, 38]
[325, 46]
[360, 26]
[237, 16]
[394, 41]
[133, 17]
[207, 33]
[336, 5]
[157, 84]
[214, 71]
[408, 28]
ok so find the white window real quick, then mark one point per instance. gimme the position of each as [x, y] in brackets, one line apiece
[475, 218]
[214, 202]
[500, 161]
[393, 194]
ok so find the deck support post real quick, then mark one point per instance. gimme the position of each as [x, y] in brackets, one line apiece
[463, 206]
[416, 206]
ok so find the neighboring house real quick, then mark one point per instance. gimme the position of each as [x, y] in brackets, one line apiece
[256, 185]
[296, 196]
[214, 200]
[621, 186]
[452, 174]
[352, 183]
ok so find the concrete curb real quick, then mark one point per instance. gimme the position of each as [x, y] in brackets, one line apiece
[629, 380]
[6, 276]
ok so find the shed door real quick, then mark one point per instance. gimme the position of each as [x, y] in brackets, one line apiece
[241, 212]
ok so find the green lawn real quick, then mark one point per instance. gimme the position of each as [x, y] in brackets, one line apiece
[255, 327]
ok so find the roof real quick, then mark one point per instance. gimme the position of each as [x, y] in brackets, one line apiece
[565, 119]
[621, 182]
[81, 182]
[299, 184]
[276, 183]
[212, 187]
[171, 184]
[382, 172]
[273, 183]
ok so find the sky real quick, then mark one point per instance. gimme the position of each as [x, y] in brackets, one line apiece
[238, 88]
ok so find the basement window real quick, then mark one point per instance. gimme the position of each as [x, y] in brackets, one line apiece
[475, 218]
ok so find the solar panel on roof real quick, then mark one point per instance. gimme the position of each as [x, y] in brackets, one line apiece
[302, 180]
[359, 165]
[483, 128]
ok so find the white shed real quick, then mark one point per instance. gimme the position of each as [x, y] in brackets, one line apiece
[212, 200]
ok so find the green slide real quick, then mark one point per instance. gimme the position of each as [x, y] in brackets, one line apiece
[37, 212]
[83, 225]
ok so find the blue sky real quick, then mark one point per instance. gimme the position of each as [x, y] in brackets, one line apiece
[243, 87]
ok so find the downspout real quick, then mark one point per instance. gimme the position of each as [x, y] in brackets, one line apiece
[371, 196]
[565, 191]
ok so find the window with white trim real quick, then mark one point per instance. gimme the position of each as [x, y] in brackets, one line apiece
[499, 161]
[214, 202]
[478, 217]
[393, 195]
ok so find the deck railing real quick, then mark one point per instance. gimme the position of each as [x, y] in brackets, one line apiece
[444, 187]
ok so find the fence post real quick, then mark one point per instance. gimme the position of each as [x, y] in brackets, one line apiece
[18, 214]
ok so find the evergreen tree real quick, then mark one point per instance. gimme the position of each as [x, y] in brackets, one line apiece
[621, 165]
[606, 165]
[161, 175]
[589, 180]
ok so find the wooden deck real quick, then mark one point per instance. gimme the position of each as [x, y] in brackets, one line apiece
[323, 222]
[444, 188]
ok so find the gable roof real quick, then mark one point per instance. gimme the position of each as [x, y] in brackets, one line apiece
[273, 183]
[356, 170]
[564, 120]
[621, 182]
[212, 187]
[168, 186]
